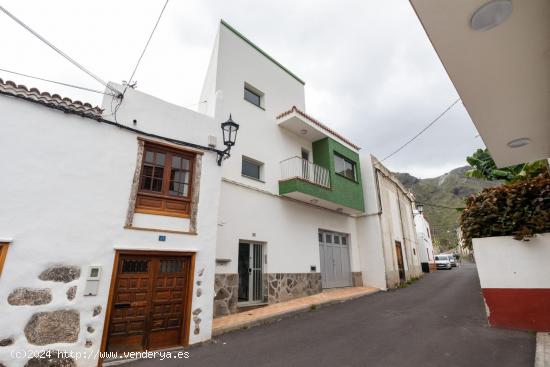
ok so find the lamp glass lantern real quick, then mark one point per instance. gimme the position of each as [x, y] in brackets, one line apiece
[420, 208]
[229, 130]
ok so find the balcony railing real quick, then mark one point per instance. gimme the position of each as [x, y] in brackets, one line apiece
[300, 168]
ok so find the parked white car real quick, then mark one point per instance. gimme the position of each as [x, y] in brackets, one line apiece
[443, 262]
[453, 261]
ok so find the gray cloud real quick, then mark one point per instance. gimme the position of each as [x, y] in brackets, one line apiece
[369, 68]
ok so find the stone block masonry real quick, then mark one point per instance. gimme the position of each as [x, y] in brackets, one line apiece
[278, 287]
[29, 297]
[286, 286]
[60, 326]
[357, 278]
[226, 288]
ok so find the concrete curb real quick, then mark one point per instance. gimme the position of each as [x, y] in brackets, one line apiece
[285, 314]
[542, 355]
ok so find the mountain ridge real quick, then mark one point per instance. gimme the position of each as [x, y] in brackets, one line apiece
[440, 195]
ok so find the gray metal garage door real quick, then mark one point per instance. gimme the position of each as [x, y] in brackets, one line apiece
[335, 262]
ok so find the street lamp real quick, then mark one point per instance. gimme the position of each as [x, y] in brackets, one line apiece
[229, 133]
[420, 208]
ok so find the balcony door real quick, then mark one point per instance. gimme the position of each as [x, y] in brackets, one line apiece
[250, 272]
[305, 164]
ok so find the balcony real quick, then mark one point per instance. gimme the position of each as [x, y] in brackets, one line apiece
[317, 185]
[302, 169]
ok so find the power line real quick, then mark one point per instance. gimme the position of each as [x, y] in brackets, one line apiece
[73, 61]
[146, 45]
[438, 206]
[56, 82]
[196, 104]
[422, 131]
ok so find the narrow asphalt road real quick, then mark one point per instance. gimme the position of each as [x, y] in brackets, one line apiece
[438, 321]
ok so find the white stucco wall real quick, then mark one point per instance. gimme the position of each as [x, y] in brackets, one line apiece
[388, 219]
[423, 233]
[288, 229]
[369, 229]
[64, 198]
[503, 262]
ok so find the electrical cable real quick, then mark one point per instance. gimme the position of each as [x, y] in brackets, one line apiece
[422, 131]
[439, 206]
[56, 82]
[73, 61]
[145, 48]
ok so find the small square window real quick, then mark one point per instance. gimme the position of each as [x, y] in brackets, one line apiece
[253, 95]
[251, 168]
[337, 239]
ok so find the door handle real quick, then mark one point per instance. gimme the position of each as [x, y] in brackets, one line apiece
[249, 270]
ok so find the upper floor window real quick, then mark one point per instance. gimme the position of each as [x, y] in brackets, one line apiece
[344, 167]
[253, 95]
[251, 168]
[166, 181]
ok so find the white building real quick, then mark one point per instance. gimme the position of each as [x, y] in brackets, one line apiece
[121, 232]
[293, 195]
[105, 244]
[425, 242]
[280, 193]
[390, 252]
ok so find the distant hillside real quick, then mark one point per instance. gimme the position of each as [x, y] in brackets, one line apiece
[448, 190]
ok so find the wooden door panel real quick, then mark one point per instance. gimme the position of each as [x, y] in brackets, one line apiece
[167, 302]
[148, 303]
[128, 324]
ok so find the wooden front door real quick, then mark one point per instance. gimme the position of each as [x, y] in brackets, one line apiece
[148, 304]
[400, 262]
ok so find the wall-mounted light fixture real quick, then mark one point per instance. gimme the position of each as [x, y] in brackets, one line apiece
[229, 133]
[420, 208]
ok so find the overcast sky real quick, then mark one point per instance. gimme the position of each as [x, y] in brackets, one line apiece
[370, 70]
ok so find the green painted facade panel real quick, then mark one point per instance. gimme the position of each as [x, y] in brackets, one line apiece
[343, 191]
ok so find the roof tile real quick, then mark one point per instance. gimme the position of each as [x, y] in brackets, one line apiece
[54, 101]
[318, 123]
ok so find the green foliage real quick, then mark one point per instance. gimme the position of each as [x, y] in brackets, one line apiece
[484, 167]
[520, 209]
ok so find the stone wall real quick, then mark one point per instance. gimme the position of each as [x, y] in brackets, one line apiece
[46, 326]
[278, 287]
[357, 279]
[226, 289]
[286, 286]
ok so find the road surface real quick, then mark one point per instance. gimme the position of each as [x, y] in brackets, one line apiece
[438, 321]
